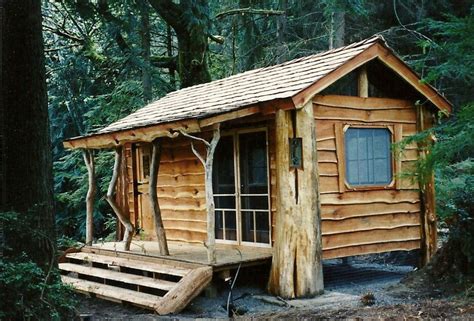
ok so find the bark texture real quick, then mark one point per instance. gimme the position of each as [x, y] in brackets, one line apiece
[28, 180]
[128, 234]
[190, 21]
[89, 160]
[155, 206]
[297, 259]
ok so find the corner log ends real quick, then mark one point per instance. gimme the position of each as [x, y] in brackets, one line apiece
[155, 206]
[127, 237]
[297, 259]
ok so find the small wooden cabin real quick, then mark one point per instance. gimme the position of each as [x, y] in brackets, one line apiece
[304, 165]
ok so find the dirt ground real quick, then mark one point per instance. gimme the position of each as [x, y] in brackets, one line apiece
[349, 288]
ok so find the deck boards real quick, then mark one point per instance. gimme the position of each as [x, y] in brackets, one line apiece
[125, 277]
[227, 256]
[118, 261]
[118, 276]
[109, 291]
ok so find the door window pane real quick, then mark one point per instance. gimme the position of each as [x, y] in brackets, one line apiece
[223, 177]
[368, 156]
[247, 227]
[253, 163]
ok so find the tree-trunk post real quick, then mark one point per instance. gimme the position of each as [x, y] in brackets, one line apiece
[210, 205]
[155, 206]
[127, 237]
[297, 259]
[91, 191]
[429, 233]
[211, 218]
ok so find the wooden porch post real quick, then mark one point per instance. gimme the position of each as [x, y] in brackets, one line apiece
[155, 206]
[89, 161]
[210, 205]
[429, 232]
[127, 237]
[297, 259]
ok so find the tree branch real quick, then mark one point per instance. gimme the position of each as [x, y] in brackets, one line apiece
[169, 11]
[164, 61]
[243, 11]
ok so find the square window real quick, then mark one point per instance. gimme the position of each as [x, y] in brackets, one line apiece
[368, 156]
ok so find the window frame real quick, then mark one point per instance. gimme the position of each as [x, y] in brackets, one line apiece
[341, 151]
[234, 133]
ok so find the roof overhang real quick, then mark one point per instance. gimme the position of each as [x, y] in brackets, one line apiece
[150, 132]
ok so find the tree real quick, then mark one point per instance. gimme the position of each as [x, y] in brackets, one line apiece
[190, 20]
[27, 156]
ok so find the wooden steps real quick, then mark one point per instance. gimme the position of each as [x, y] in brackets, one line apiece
[163, 285]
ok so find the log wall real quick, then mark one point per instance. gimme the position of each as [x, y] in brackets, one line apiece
[367, 220]
[353, 222]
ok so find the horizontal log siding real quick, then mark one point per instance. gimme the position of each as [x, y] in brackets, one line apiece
[181, 194]
[371, 221]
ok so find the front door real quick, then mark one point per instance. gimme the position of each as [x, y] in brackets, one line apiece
[241, 191]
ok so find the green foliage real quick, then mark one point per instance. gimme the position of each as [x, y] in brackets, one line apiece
[27, 294]
[27, 291]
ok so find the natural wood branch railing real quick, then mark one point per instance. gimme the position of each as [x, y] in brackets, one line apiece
[207, 163]
[127, 238]
[155, 206]
[88, 156]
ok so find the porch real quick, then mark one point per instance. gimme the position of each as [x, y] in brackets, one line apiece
[165, 284]
[227, 256]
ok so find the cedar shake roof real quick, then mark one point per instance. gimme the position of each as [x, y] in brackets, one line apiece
[291, 80]
[251, 87]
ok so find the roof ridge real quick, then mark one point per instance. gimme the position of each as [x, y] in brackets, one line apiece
[374, 38]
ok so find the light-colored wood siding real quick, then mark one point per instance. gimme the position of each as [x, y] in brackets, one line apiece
[371, 220]
[181, 194]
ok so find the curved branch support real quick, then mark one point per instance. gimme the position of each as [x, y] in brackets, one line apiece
[89, 161]
[155, 206]
[211, 217]
[127, 238]
[207, 163]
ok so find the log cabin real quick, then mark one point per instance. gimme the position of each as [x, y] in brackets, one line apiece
[291, 163]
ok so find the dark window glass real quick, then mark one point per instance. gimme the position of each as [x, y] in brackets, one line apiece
[253, 163]
[223, 168]
[368, 156]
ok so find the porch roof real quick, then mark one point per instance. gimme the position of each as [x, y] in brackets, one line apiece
[291, 83]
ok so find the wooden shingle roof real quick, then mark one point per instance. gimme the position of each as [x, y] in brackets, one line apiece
[296, 80]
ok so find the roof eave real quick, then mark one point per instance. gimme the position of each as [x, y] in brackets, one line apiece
[150, 132]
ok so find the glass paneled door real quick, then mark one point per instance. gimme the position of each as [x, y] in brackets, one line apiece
[241, 193]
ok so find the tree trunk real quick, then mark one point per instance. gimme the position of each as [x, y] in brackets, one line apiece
[145, 37]
[190, 20]
[169, 51]
[282, 55]
[89, 160]
[155, 206]
[297, 259]
[127, 237]
[28, 179]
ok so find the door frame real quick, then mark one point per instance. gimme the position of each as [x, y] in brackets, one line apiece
[237, 194]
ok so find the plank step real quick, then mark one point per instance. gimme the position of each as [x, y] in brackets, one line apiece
[128, 263]
[118, 276]
[112, 292]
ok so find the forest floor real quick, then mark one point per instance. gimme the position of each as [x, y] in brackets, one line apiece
[354, 291]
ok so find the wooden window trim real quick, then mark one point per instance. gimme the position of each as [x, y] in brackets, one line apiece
[340, 129]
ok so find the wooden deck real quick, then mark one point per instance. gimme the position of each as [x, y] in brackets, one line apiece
[227, 256]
